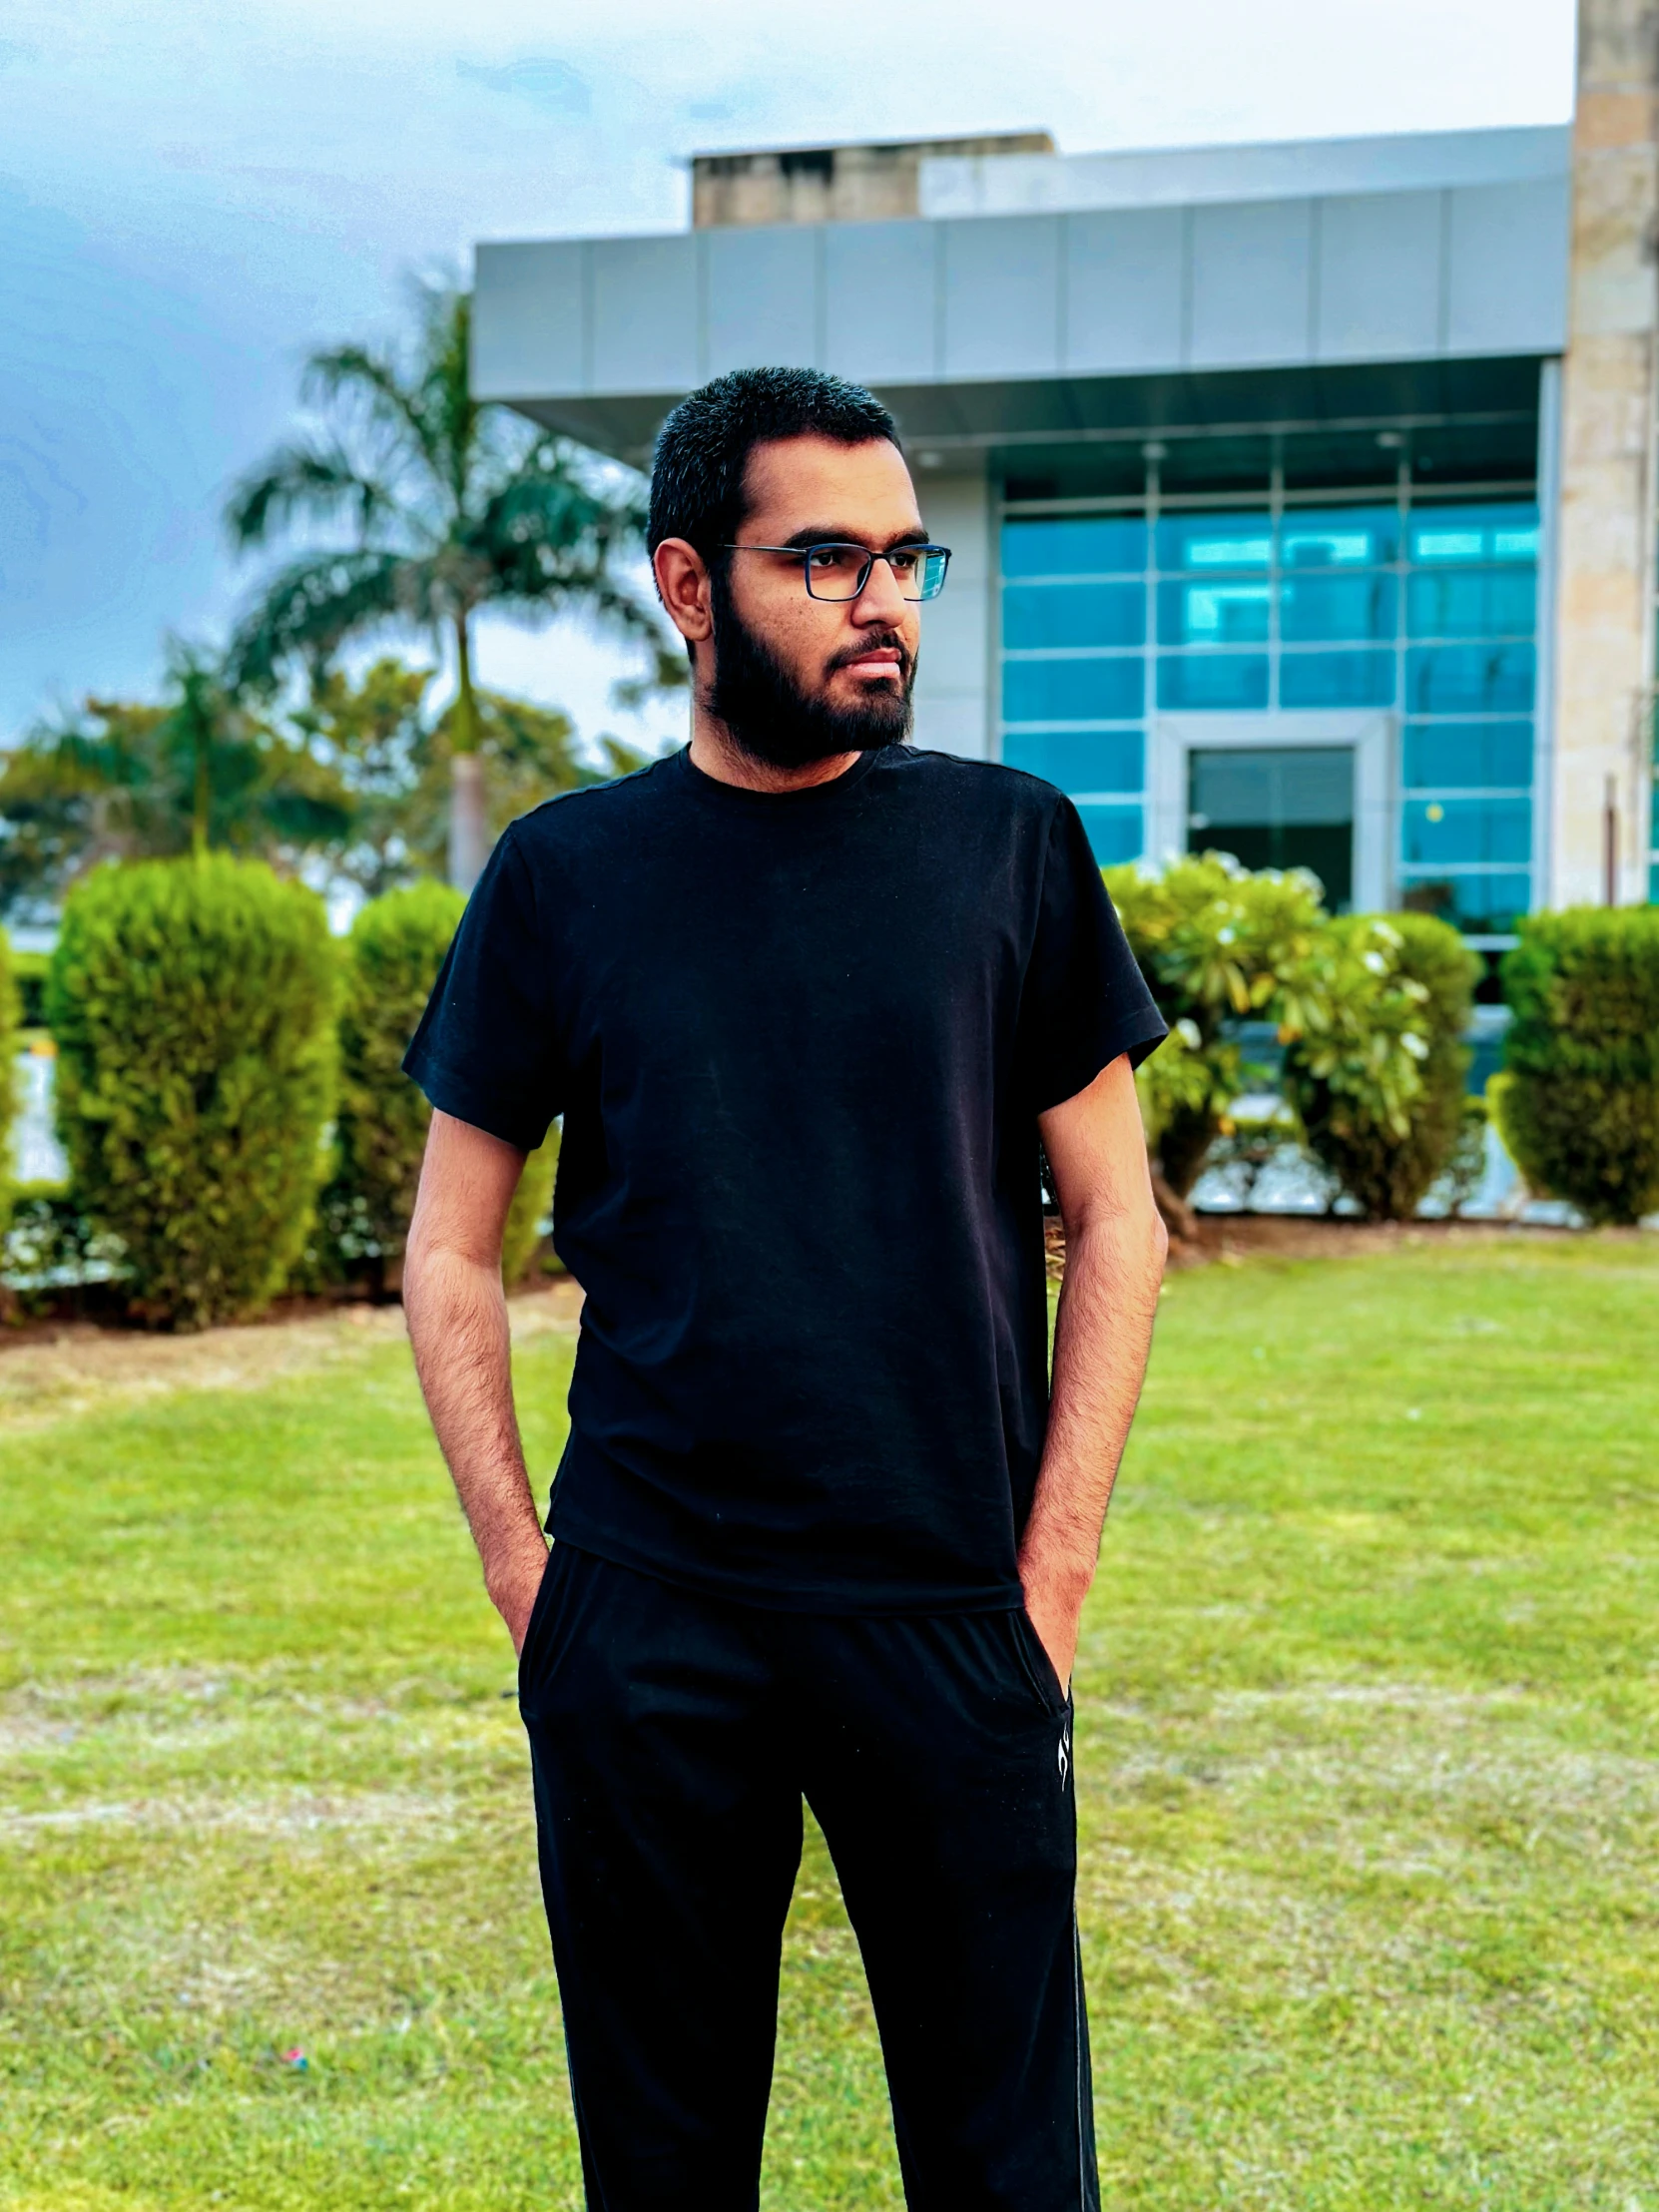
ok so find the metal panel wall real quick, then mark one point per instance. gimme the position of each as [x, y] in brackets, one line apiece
[1506, 280]
[529, 327]
[644, 315]
[1122, 280]
[1250, 283]
[880, 294]
[1379, 277]
[763, 296]
[1002, 296]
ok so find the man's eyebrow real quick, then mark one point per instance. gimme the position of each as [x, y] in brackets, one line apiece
[832, 533]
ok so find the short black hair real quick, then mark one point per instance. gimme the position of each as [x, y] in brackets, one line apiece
[703, 449]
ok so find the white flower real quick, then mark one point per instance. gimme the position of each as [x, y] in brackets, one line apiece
[1413, 1045]
[1376, 962]
[1187, 1031]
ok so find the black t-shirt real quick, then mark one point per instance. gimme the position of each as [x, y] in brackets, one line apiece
[800, 1041]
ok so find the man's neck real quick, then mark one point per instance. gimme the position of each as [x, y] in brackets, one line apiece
[714, 751]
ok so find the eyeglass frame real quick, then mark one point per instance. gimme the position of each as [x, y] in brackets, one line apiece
[803, 553]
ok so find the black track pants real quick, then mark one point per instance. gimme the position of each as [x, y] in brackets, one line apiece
[673, 1736]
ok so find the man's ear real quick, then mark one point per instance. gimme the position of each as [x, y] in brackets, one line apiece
[683, 587]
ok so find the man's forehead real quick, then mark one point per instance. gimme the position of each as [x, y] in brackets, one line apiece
[804, 481]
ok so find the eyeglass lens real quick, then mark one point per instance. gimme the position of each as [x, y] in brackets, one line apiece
[842, 570]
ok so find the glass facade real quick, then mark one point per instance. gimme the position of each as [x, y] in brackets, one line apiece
[1416, 603]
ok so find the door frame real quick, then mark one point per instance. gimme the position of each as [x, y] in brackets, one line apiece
[1373, 737]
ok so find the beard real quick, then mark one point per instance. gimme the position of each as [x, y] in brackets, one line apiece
[769, 716]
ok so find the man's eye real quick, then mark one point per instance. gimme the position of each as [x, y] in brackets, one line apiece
[823, 560]
[905, 560]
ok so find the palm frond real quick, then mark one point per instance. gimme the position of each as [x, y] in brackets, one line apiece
[308, 609]
[308, 481]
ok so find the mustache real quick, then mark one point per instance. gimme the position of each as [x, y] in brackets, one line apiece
[885, 641]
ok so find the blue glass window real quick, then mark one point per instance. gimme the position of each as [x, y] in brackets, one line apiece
[1472, 602]
[1312, 609]
[1215, 543]
[1214, 614]
[1469, 679]
[1468, 536]
[1075, 545]
[1115, 833]
[1073, 614]
[1213, 679]
[1338, 537]
[1468, 756]
[1080, 759]
[1337, 680]
[1485, 905]
[1444, 832]
[1074, 691]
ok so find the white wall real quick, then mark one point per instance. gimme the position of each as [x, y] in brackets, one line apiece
[953, 685]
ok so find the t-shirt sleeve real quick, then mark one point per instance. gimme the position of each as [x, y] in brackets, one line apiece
[1085, 1001]
[486, 1050]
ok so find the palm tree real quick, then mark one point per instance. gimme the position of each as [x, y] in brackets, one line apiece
[124, 780]
[433, 505]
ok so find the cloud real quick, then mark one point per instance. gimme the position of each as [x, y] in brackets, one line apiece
[548, 84]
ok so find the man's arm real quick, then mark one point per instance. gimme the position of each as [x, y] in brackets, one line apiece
[1115, 1246]
[457, 1315]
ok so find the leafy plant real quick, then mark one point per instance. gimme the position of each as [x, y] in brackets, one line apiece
[123, 781]
[1216, 944]
[433, 505]
[1378, 1077]
[10, 1012]
[1578, 1101]
[193, 1007]
[392, 957]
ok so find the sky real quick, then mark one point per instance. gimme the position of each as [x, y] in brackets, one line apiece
[193, 196]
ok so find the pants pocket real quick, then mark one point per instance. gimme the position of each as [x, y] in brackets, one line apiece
[535, 1632]
[1035, 1664]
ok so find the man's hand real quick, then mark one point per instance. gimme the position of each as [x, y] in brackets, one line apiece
[1055, 1613]
[513, 1589]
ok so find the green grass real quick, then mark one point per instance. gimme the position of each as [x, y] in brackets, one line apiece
[1367, 1770]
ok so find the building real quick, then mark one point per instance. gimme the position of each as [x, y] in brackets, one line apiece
[1301, 496]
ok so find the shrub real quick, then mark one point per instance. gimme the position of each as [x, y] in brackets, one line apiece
[1378, 1083]
[1578, 1106]
[9, 1011]
[1216, 944]
[29, 976]
[193, 1007]
[392, 957]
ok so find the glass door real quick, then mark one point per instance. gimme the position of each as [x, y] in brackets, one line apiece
[1278, 807]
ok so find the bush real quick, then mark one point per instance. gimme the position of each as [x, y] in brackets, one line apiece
[392, 957]
[1578, 1106]
[9, 1011]
[29, 976]
[1403, 981]
[193, 1007]
[1216, 944]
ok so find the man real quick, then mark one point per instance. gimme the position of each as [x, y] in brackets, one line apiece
[806, 998]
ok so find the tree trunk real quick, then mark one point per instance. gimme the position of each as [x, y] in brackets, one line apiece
[468, 827]
[468, 831]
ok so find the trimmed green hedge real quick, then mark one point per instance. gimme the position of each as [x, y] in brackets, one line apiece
[391, 960]
[9, 1025]
[1578, 1101]
[1388, 1161]
[392, 957]
[193, 1005]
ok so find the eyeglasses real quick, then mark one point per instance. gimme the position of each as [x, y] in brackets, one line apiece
[834, 571]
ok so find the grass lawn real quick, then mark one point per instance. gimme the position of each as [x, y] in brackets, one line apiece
[1367, 1770]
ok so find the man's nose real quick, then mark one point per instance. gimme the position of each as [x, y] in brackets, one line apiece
[880, 601]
